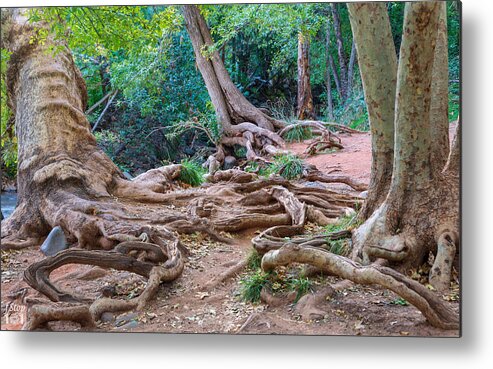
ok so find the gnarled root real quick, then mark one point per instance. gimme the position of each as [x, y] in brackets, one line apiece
[325, 139]
[158, 264]
[432, 307]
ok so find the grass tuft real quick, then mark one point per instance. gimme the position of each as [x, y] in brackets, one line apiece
[251, 286]
[302, 285]
[298, 134]
[288, 166]
[254, 260]
[191, 173]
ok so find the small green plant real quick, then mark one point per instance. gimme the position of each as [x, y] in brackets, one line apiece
[399, 301]
[251, 286]
[191, 173]
[338, 247]
[302, 285]
[240, 152]
[342, 224]
[287, 166]
[298, 134]
[254, 260]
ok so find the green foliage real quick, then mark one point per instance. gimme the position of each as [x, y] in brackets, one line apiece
[253, 283]
[251, 286]
[288, 166]
[163, 110]
[338, 247]
[8, 141]
[191, 173]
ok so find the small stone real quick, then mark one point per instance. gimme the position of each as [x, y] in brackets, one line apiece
[229, 162]
[128, 176]
[125, 318]
[55, 242]
[108, 291]
[364, 194]
[107, 317]
[129, 325]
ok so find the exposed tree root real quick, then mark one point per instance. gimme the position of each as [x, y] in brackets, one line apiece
[274, 301]
[432, 307]
[39, 315]
[441, 271]
[325, 139]
[228, 273]
[234, 201]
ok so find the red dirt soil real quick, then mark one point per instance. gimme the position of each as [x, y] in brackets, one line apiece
[184, 307]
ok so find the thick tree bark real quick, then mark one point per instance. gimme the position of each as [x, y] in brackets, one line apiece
[421, 211]
[305, 99]
[378, 65]
[240, 120]
[439, 95]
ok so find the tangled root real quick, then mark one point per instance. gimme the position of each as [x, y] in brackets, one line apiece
[430, 305]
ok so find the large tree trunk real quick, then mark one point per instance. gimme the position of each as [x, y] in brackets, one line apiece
[305, 100]
[242, 123]
[378, 65]
[439, 96]
[421, 211]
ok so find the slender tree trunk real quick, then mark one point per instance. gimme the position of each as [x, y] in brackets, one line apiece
[305, 100]
[350, 72]
[340, 50]
[330, 104]
[242, 123]
[337, 80]
[378, 65]
[421, 211]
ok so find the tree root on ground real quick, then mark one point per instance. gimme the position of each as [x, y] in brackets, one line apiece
[228, 273]
[115, 234]
[431, 306]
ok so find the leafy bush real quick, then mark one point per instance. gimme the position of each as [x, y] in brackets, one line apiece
[191, 173]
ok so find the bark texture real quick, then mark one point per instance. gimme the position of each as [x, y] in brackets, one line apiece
[439, 95]
[421, 211]
[305, 99]
[378, 65]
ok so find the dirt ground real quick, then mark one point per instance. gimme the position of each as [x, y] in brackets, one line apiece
[184, 306]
